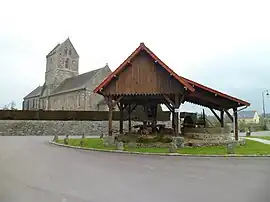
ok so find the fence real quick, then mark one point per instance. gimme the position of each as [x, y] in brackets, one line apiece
[74, 115]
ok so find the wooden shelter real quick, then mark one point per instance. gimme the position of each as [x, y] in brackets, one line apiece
[143, 79]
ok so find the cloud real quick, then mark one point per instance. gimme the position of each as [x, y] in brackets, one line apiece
[198, 39]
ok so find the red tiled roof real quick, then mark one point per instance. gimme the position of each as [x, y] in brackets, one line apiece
[189, 84]
[142, 47]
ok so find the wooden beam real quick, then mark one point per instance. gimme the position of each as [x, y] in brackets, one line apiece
[235, 124]
[177, 101]
[222, 118]
[176, 119]
[129, 118]
[109, 99]
[229, 115]
[121, 121]
[116, 101]
[169, 100]
[169, 106]
[218, 118]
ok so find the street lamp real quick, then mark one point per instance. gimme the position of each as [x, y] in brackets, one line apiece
[265, 91]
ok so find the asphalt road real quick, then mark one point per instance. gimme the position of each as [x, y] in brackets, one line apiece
[32, 170]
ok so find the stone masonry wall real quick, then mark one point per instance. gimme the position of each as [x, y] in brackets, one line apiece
[49, 128]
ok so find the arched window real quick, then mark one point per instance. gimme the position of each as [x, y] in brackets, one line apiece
[66, 63]
[70, 52]
[65, 51]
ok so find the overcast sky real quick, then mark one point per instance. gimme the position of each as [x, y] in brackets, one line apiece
[222, 44]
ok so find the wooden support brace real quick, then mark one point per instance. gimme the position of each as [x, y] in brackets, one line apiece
[169, 100]
[229, 115]
[218, 118]
[169, 106]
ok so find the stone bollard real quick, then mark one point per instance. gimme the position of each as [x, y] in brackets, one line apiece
[178, 141]
[55, 138]
[231, 148]
[172, 148]
[120, 146]
[109, 141]
[242, 142]
[66, 140]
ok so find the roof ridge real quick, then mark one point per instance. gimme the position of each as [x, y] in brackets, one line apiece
[140, 48]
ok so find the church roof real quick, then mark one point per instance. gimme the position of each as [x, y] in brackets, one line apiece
[77, 82]
[36, 92]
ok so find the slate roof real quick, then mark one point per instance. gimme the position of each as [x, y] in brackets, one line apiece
[246, 114]
[36, 92]
[76, 82]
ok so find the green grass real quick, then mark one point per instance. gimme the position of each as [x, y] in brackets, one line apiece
[251, 147]
[261, 137]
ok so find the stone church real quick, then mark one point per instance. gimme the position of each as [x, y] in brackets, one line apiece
[64, 88]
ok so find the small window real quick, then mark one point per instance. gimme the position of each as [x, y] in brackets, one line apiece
[66, 63]
[70, 52]
[33, 103]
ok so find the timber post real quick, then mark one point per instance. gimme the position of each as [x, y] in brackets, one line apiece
[129, 117]
[121, 108]
[235, 120]
[110, 105]
[222, 118]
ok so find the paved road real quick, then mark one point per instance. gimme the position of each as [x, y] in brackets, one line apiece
[260, 133]
[31, 170]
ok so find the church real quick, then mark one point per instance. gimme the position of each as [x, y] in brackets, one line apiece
[64, 87]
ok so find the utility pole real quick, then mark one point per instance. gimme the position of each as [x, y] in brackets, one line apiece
[265, 91]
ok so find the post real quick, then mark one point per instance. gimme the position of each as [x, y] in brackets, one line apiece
[121, 108]
[177, 103]
[110, 115]
[173, 117]
[235, 123]
[129, 117]
[222, 119]
[176, 123]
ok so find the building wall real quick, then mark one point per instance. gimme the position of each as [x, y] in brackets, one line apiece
[256, 118]
[31, 103]
[76, 100]
[144, 76]
[63, 64]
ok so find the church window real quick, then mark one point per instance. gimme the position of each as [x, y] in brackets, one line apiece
[70, 52]
[65, 51]
[66, 63]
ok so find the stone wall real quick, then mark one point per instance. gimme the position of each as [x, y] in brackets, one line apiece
[45, 128]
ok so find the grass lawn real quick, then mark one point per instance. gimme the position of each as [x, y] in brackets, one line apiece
[261, 137]
[251, 147]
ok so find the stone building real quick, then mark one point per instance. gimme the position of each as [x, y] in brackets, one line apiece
[64, 88]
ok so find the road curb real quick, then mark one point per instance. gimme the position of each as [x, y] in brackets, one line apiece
[153, 154]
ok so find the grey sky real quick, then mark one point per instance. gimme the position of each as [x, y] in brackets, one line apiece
[202, 40]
